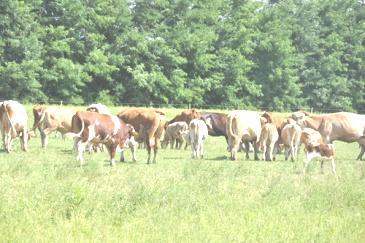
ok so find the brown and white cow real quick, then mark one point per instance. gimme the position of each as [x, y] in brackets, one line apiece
[91, 127]
[269, 141]
[50, 119]
[310, 135]
[99, 108]
[321, 152]
[173, 134]
[152, 121]
[13, 123]
[243, 126]
[290, 137]
[343, 126]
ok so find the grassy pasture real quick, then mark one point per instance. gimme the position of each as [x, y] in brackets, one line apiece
[45, 196]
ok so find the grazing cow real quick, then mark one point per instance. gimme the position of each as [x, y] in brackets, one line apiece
[13, 123]
[153, 123]
[310, 135]
[268, 140]
[218, 123]
[91, 127]
[186, 116]
[290, 137]
[322, 152]
[343, 126]
[50, 119]
[173, 133]
[245, 126]
[198, 132]
[99, 108]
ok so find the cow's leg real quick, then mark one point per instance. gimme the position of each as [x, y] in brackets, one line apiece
[255, 149]
[44, 139]
[287, 151]
[271, 151]
[7, 142]
[322, 166]
[155, 150]
[148, 151]
[247, 144]
[333, 167]
[112, 149]
[133, 150]
[264, 151]
[80, 148]
[122, 156]
[172, 143]
[202, 149]
[362, 151]
[24, 140]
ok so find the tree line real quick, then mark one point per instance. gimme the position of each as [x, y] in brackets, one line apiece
[277, 54]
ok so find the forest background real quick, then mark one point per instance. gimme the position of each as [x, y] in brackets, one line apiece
[272, 55]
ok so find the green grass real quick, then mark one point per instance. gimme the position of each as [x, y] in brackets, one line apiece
[45, 196]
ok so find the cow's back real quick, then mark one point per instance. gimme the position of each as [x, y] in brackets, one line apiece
[247, 124]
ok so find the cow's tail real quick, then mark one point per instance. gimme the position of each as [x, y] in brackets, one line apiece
[73, 134]
[36, 123]
[12, 127]
[232, 122]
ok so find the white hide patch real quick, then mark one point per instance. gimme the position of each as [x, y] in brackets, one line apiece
[116, 122]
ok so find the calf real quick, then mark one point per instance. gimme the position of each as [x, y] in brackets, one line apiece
[310, 135]
[198, 132]
[13, 123]
[290, 137]
[173, 133]
[92, 127]
[268, 140]
[322, 152]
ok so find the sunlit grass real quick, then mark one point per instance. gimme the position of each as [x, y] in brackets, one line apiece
[45, 196]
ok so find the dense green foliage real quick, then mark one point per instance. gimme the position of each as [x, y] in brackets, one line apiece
[276, 55]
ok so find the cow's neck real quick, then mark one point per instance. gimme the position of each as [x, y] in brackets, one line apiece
[313, 122]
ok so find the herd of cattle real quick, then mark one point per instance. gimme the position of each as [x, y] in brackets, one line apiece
[132, 127]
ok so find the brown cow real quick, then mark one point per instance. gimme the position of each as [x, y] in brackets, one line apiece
[186, 116]
[290, 137]
[152, 121]
[13, 123]
[218, 123]
[50, 119]
[343, 126]
[91, 127]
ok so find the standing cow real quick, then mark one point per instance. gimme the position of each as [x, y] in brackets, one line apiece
[173, 134]
[198, 132]
[13, 123]
[269, 141]
[153, 123]
[243, 126]
[50, 119]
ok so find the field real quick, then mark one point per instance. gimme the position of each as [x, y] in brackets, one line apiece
[45, 196]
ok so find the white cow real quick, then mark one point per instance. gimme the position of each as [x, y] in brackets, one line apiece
[198, 132]
[243, 126]
[13, 123]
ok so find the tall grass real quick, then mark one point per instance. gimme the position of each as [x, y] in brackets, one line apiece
[45, 196]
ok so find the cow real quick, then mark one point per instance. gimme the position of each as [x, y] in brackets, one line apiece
[246, 126]
[310, 135]
[218, 123]
[186, 116]
[173, 133]
[153, 121]
[99, 108]
[268, 140]
[343, 126]
[290, 137]
[322, 152]
[50, 119]
[91, 127]
[13, 123]
[198, 132]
